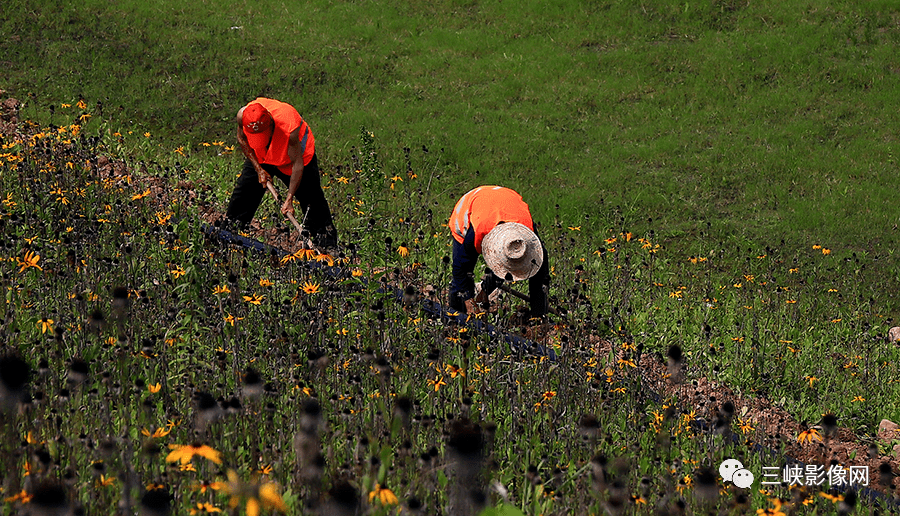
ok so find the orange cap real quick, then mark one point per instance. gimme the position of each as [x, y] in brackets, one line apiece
[257, 125]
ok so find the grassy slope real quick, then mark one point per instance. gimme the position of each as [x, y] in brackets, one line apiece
[756, 123]
[667, 151]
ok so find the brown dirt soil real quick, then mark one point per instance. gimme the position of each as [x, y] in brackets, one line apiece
[772, 426]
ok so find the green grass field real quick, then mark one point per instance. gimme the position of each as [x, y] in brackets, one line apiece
[714, 177]
[767, 121]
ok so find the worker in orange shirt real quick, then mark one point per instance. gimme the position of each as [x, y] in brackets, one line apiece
[276, 141]
[495, 222]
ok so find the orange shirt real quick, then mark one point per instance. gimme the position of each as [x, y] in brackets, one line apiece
[485, 207]
[286, 119]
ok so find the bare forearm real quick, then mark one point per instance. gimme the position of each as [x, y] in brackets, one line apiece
[245, 148]
[250, 154]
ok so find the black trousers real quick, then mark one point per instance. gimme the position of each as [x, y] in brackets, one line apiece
[315, 213]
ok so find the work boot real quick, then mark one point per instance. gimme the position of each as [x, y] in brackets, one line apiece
[327, 239]
[457, 302]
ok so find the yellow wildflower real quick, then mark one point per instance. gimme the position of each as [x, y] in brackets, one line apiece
[158, 433]
[104, 481]
[141, 195]
[384, 496]
[204, 508]
[437, 383]
[257, 495]
[185, 452]
[30, 260]
[808, 436]
[254, 299]
[45, 324]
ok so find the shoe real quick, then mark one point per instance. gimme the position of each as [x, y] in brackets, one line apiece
[326, 240]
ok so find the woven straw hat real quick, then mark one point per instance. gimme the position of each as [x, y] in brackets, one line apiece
[512, 249]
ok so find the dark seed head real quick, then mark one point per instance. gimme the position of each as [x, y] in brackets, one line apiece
[706, 483]
[15, 374]
[345, 496]
[847, 505]
[311, 407]
[466, 438]
[78, 371]
[728, 409]
[674, 353]
[253, 383]
[403, 406]
[49, 498]
[829, 424]
[156, 502]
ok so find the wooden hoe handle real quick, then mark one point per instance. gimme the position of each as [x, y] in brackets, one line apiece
[289, 215]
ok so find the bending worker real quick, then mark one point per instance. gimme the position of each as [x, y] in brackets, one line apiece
[277, 142]
[495, 221]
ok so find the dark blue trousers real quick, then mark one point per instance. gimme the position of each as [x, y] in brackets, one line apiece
[462, 284]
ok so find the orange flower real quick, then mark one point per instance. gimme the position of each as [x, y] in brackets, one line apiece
[158, 433]
[307, 254]
[30, 260]
[206, 508]
[325, 258]
[186, 452]
[384, 495]
[105, 481]
[437, 383]
[45, 324]
[21, 497]
[257, 495]
[809, 436]
[254, 299]
[141, 195]
[454, 371]
[207, 485]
